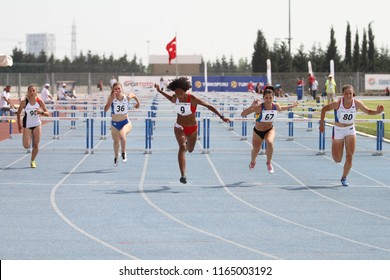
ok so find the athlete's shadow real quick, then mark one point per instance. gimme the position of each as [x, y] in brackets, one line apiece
[241, 184]
[163, 189]
[302, 188]
[99, 171]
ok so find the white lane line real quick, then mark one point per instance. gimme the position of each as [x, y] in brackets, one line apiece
[169, 216]
[329, 198]
[73, 225]
[287, 220]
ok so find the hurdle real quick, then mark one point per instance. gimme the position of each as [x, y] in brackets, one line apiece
[206, 136]
[56, 124]
[197, 117]
[244, 128]
[321, 143]
[89, 136]
[103, 129]
[309, 116]
[73, 115]
[148, 135]
[379, 138]
[290, 126]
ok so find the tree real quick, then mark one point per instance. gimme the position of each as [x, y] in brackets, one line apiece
[348, 49]
[299, 61]
[332, 52]
[371, 54]
[363, 56]
[317, 58]
[260, 54]
[356, 54]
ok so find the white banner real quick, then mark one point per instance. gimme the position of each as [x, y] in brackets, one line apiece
[196, 270]
[142, 83]
[377, 81]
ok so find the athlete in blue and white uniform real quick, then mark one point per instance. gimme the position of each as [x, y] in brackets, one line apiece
[266, 112]
[32, 126]
[119, 104]
[344, 132]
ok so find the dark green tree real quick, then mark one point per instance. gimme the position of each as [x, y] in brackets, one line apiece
[372, 53]
[356, 54]
[332, 52]
[348, 49]
[300, 61]
[260, 54]
[363, 55]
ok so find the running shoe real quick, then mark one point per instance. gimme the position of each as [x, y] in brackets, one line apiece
[252, 165]
[344, 182]
[270, 168]
[115, 162]
[33, 164]
[124, 157]
[183, 179]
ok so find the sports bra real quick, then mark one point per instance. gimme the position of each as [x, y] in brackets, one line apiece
[120, 107]
[185, 108]
[345, 115]
[267, 115]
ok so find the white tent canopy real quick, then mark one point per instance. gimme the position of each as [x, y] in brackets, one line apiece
[5, 60]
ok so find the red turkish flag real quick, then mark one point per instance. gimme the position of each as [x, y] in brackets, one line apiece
[171, 48]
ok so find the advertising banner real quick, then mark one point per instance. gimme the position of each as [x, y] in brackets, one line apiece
[377, 81]
[226, 83]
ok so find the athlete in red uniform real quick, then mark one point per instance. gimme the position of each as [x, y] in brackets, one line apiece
[186, 125]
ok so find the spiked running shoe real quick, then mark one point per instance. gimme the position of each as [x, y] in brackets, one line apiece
[115, 162]
[252, 165]
[183, 179]
[33, 164]
[124, 157]
[344, 182]
[270, 168]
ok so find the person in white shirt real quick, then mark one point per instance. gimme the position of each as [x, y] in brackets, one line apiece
[61, 92]
[30, 125]
[6, 103]
[45, 94]
[344, 132]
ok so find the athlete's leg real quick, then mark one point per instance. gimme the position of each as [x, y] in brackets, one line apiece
[350, 144]
[337, 149]
[36, 138]
[269, 141]
[115, 138]
[123, 134]
[181, 155]
[256, 146]
[191, 141]
[27, 134]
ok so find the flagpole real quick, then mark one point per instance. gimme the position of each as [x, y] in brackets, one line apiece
[177, 72]
[206, 89]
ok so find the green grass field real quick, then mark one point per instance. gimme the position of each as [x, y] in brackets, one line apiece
[369, 127]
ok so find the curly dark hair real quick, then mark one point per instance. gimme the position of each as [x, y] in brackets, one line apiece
[182, 83]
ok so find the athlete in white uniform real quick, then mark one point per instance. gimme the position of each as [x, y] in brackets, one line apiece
[32, 126]
[266, 112]
[120, 123]
[344, 132]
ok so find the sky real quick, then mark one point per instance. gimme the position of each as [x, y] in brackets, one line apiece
[211, 28]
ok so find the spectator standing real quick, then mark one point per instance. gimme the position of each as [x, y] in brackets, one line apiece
[330, 88]
[314, 88]
[6, 103]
